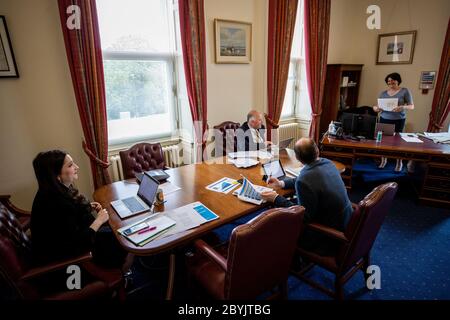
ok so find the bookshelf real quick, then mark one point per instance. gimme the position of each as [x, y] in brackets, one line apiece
[341, 91]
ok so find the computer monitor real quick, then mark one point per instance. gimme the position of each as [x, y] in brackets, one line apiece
[364, 125]
[348, 125]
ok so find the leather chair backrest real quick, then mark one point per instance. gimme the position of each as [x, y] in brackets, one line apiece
[372, 211]
[141, 157]
[260, 252]
[225, 137]
[15, 246]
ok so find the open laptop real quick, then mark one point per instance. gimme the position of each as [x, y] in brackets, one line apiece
[137, 204]
[387, 129]
[282, 145]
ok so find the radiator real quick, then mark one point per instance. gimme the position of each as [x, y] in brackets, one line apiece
[171, 154]
[290, 130]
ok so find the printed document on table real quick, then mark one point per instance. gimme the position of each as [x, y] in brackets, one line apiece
[223, 185]
[412, 139]
[189, 216]
[261, 154]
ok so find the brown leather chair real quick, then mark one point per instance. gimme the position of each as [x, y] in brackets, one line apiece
[256, 260]
[354, 244]
[28, 281]
[225, 137]
[141, 157]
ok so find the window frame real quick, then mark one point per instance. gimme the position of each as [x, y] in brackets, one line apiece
[171, 60]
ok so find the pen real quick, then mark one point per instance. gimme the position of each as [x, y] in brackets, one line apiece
[146, 229]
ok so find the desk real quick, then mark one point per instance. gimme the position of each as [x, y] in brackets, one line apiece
[433, 188]
[192, 179]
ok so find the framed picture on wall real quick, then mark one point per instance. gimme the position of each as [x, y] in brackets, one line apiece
[396, 48]
[8, 67]
[233, 41]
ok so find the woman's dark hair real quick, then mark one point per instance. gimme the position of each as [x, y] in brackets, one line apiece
[47, 167]
[393, 76]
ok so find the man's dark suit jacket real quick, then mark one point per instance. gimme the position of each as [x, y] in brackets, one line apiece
[245, 139]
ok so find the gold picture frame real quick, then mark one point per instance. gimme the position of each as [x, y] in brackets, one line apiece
[396, 48]
[233, 41]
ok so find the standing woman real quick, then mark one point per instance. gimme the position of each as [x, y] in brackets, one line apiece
[398, 115]
[62, 220]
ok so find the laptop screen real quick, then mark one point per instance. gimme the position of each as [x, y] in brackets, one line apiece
[147, 189]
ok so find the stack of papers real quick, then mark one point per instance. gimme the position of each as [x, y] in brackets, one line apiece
[223, 185]
[145, 230]
[437, 137]
[261, 154]
[244, 162]
[410, 137]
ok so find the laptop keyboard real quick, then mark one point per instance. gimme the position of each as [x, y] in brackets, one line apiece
[133, 204]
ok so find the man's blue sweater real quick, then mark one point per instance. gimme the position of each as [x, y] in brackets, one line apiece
[322, 192]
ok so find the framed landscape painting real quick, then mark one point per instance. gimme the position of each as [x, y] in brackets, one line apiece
[233, 41]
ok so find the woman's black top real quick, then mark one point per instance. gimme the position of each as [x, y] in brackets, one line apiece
[60, 227]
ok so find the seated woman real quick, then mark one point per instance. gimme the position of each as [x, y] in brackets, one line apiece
[62, 220]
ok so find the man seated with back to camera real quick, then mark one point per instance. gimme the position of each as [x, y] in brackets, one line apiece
[251, 134]
[320, 189]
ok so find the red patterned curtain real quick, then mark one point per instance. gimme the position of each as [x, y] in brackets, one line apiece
[282, 14]
[192, 26]
[317, 25]
[441, 100]
[84, 55]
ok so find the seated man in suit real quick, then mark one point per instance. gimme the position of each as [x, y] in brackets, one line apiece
[320, 190]
[251, 134]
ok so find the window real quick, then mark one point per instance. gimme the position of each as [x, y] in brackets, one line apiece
[296, 100]
[141, 61]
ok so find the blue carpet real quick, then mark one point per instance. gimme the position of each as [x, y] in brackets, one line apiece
[367, 170]
[412, 250]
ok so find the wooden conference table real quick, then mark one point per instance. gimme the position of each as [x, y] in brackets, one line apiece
[192, 179]
[433, 178]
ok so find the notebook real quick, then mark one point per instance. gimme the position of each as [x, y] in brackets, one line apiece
[140, 203]
[145, 231]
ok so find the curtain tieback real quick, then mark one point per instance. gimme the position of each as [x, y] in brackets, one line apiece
[315, 115]
[93, 157]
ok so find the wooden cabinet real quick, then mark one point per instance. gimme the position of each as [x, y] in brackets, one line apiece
[341, 91]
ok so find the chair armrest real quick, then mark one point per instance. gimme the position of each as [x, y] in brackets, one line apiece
[330, 232]
[211, 253]
[4, 199]
[22, 215]
[39, 271]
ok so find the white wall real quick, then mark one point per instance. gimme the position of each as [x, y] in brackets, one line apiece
[38, 110]
[234, 89]
[352, 42]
